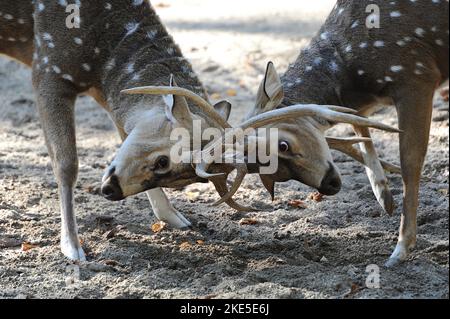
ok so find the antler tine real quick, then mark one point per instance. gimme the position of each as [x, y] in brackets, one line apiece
[325, 111]
[344, 145]
[241, 173]
[206, 107]
[220, 183]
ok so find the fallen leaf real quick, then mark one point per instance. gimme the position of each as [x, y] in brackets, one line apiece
[443, 191]
[297, 204]
[231, 92]
[316, 196]
[28, 246]
[162, 5]
[159, 226]
[215, 96]
[185, 245]
[192, 196]
[200, 242]
[248, 221]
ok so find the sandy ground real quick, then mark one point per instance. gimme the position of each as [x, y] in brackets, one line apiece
[318, 252]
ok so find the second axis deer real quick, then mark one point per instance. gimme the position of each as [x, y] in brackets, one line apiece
[400, 63]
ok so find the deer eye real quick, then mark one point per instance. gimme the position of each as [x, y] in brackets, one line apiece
[162, 162]
[283, 146]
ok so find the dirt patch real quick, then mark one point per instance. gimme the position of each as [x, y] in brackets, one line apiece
[318, 251]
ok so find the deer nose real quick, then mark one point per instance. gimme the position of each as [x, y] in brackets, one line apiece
[331, 184]
[111, 189]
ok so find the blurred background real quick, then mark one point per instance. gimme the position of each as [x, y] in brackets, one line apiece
[230, 42]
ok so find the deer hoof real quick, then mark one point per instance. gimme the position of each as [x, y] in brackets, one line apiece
[398, 256]
[73, 252]
[177, 220]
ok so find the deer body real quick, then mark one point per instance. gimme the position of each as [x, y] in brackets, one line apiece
[120, 44]
[400, 63]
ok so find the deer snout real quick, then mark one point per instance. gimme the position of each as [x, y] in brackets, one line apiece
[111, 189]
[331, 183]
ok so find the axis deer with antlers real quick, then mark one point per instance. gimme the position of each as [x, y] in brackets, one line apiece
[401, 63]
[120, 44]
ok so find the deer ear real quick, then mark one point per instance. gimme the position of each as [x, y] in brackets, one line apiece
[177, 108]
[224, 109]
[270, 93]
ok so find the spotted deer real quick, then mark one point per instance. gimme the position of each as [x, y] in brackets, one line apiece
[350, 63]
[119, 44]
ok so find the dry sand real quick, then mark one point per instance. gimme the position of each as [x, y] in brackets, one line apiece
[318, 252]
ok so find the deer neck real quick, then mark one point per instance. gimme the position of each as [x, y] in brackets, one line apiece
[317, 77]
[143, 55]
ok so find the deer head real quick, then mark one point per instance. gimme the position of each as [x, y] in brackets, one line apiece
[144, 160]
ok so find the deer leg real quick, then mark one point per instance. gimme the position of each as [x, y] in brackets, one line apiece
[164, 210]
[56, 110]
[375, 172]
[414, 113]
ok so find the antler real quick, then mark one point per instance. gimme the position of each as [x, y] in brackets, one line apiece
[205, 106]
[345, 145]
[327, 112]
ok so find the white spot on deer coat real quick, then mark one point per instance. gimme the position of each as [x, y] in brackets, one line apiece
[130, 68]
[47, 36]
[67, 77]
[420, 32]
[56, 69]
[324, 36]
[86, 67]
[152, 34]
[131, 27]
[318, 60]
[396, 68]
